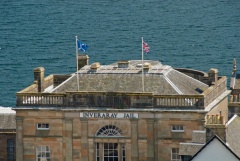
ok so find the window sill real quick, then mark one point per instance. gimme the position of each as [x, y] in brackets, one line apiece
[177, 131]
[43, 129]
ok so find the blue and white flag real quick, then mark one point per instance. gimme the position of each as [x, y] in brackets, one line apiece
[81, 46]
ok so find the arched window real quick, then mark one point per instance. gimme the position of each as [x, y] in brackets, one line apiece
[110, 151]
[109, 130]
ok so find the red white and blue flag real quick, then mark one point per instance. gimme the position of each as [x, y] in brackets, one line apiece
[146, 48]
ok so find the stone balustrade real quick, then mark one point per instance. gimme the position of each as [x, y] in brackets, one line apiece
[119, 99]
[114, 100]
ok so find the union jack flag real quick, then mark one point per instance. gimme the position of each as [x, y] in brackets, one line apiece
[146, 48]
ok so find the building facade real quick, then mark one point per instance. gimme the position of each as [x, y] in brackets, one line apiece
[7, 134]
[125, 111]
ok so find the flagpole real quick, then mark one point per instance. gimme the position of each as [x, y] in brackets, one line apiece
[77, 62]
[142, 68]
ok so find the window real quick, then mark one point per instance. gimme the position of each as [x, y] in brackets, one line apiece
[110, 151]
[97, 152]
[123, 153]
[43, 153]
[10, 149]
[43, 126]
[174, 155]
[177, 128]
[109, 130]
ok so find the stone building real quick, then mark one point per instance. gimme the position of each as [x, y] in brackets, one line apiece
[7, 134]
[125, 111]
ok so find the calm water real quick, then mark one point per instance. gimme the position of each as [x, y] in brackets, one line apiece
[188, 34]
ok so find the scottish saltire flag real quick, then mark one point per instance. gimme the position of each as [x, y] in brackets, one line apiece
[81, 46]
[146, 48]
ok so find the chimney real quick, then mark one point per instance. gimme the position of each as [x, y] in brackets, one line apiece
[146, 67]
[95, 66]
[213, 75]
[123, 64]
[39, 78]
[215, 126]
[82, 61]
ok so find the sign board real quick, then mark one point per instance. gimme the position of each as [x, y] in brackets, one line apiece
[108, 115]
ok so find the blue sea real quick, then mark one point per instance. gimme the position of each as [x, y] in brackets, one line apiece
[181, 33]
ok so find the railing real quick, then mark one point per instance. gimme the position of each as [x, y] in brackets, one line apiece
[121, 100]
[40, 99]
[113, 100]
[196, 101]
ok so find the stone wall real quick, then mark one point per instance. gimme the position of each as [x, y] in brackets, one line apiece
[148, 137]
[29, 137]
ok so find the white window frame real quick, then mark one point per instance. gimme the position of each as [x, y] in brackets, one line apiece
[177, 128]
[121, 151]
[108, 149]
[97, 152]
[174, 155]
[44, 152]
[42, 126]
[109, 130]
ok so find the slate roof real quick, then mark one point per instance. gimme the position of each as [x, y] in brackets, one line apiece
[233, 134]
[189, 148]
[199, 137]
[7, 119]
[160, 79]
[198, 141]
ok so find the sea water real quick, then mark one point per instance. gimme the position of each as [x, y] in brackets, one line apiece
[183, 34]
